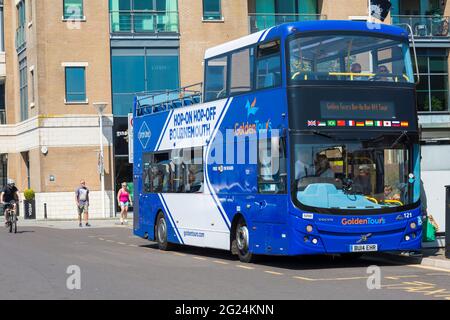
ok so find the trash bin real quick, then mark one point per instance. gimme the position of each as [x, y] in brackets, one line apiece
[447, 222]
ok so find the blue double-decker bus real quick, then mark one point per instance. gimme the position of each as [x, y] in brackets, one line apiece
[303, 139]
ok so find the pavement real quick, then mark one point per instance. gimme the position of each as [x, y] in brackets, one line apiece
[51, 258]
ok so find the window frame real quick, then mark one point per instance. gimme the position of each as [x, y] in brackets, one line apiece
[81, 17]
[428, 75]
[258, 45]
[66, 101]
[210, 18]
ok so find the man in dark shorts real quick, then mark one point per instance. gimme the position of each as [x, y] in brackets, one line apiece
[82, 200]
[9, 198]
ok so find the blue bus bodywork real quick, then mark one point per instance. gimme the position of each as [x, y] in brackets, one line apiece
[277, 225]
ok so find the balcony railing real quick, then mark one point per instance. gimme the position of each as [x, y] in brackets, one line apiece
[20, 38]
[425, 26]
[260, 22]
[141, 22]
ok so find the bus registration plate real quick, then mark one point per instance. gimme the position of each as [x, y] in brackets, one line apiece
[364, 248]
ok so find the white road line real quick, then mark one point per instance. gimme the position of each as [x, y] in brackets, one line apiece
[274, 273]
[220, 262]
[245, 267]
[427, 267]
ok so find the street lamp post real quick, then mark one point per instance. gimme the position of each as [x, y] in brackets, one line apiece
[100, 107]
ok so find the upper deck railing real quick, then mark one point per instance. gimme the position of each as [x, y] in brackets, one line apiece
[436, 26]
[154, 102]
[258, 22]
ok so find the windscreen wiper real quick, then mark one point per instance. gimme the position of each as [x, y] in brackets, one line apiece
[397, 141]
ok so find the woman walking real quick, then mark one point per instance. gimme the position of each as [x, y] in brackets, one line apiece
[124, 200]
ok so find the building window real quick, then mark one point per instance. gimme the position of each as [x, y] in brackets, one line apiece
[73, 9]
[432, 91]
[32, 85]
[76, 85]
[143, 16]
[212, 10]
[23, 89]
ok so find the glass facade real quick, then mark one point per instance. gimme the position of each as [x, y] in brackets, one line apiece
[432, 91]
[141, 70]
[73, 9]
[143, 16]
[75, 84]
[268, 13]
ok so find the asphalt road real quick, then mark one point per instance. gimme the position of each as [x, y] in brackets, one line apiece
[113, 264]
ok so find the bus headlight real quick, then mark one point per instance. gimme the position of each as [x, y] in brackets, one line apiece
[407, 238]
[309, 228]
[413, 225]
[315, 241]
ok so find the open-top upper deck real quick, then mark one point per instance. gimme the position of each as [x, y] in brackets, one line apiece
[148, 103]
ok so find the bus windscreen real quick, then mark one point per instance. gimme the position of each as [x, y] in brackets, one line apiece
[349, 58]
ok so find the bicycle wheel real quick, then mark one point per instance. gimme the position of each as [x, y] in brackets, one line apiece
[15, 222]
[10, 223]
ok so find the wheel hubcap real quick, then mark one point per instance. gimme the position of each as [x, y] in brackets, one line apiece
[162, 231]
[242, 238]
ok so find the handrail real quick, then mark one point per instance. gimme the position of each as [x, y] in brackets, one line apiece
[159, 101]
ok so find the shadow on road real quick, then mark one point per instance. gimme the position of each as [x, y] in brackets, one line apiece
[284, 262]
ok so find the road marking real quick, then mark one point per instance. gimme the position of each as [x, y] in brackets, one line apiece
[179, 254]
[133, 245]
[304, 278]
[427, 267]
[245, 267]
[122, 243]
[200, 258]
[110, 241]
[220, 262]
[400, 277]
[101, 239]
[274, 273]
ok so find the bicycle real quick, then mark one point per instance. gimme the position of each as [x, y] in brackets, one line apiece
[11, 212]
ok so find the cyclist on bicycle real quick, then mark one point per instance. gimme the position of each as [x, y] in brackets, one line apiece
[9, 198]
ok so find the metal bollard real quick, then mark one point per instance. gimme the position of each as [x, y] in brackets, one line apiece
[447, 222]
[45, 211]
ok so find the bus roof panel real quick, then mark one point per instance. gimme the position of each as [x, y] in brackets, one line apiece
[286, 29]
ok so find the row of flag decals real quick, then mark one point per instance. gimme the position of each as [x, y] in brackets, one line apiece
[353, 123]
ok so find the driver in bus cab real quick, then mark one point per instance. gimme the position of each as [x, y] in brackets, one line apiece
[323, 168]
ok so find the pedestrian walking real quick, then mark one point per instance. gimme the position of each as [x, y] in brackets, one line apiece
[124, 200]
[82, 201]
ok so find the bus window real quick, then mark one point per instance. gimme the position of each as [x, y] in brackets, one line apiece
[216, 78]
[193, 159]
[268, 69]
[177, 168]
[147, 177]
[160, 172]
[349, 57]
[241, 71]
[272, 165]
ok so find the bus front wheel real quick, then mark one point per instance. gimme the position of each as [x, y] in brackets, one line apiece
[161, 233]
[242, 242]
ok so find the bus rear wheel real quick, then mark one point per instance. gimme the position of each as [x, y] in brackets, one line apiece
[242, 242]
[161, 233]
